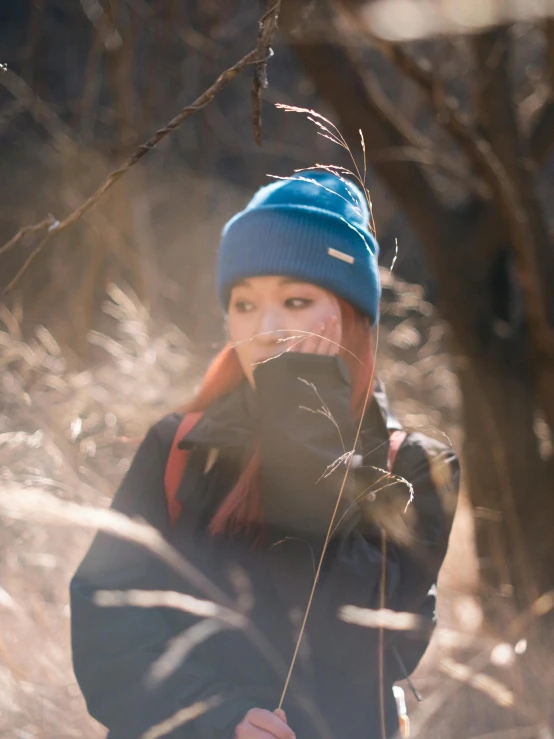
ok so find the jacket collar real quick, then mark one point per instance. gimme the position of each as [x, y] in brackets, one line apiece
[231, 421]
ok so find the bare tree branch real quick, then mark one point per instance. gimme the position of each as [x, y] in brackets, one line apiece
[204, 99]
[360, 105]
[40, 226]
[41, 111]
[356, 96]
[9, 112]
[437, 160]
[487, 160]
[102, 23]
[119, 62]
[495, 108]
[542, 136]
[267, 28]
[499, 162]
[528, 232]
[498, 120]
[478, 151]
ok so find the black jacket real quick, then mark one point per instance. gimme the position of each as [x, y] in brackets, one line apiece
[300, 416]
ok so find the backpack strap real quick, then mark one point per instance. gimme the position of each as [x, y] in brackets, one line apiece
[396, 440]
[176, 465]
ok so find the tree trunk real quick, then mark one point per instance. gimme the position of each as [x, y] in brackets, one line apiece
[507, 479]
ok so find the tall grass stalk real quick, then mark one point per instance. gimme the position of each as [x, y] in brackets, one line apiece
[329, 130]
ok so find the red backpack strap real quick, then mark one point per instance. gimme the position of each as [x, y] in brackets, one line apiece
[176, 465]
[395, 442]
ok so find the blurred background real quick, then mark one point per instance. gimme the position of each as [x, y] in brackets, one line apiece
[108, 324]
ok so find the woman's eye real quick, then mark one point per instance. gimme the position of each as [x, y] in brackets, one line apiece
[298, 303]
[243, 306]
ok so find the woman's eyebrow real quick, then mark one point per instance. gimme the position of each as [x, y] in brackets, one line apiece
[291, 281]
[242, 283]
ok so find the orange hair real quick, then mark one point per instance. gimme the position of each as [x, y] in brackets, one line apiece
[242, 508]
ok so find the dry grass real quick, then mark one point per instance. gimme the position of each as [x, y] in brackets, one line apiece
[72, 434]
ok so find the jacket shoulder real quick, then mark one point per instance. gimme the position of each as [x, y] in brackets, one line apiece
[163, 432]
[427, 458]
[431, 446]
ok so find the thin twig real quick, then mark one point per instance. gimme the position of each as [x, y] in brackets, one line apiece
[30, 259]
[46, 223]
[267, 27]
[204, 99]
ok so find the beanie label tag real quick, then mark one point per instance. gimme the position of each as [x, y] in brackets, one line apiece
[341, 255]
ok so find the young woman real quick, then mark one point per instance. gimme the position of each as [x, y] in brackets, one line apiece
[281, 406]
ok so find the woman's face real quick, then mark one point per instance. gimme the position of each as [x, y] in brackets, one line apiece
[271, 315]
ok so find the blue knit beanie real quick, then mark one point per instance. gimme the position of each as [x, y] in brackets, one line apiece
[314, 227]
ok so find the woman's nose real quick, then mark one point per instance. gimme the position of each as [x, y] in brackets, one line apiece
[271, 328]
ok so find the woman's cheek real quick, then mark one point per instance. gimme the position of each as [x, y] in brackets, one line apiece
[304, 322]
[240, 327]
[319, 314]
